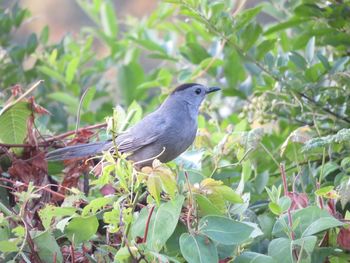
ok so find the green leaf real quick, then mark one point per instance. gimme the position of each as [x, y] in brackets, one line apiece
[246, 16]
[310, 221]
[163, 223]
[154, 187]
[298, 60]
[206, 207]
[14, 123]
[339, 65]
[309, 9]
[229, 194]
[275, 208]
[250, 35]
[324, 61]
[53, 57]
[134, 114]
[252, 257]
[123, 255]
[287, 24]
[194, 52]
[328, 168]
[7, 246]
[150, 45]
[44, 35]
[149, 84]
[198, 249]
[284, 203]
[224, 230]
[233, 68]
[47, 247]
[310, 50]
[246, 169]
[32, 44]
[281, 249]
[72, 69]
[139, 223]
[168, 184]
[4, 228]
[320, 225]
[109, 19]
[264, 47]
[49, 211]
[324, 190]
[52, 73]
[81, 229]
[96, 204]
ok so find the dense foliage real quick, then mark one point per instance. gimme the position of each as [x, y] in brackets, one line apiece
[266, 179]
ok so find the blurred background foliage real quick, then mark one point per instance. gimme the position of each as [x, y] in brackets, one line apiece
[283, 67]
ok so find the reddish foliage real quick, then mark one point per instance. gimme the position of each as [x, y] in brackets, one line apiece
[37, 108]
[16, 90]
[107, 189]
[30, 170]
[76, 167]
[299, 200]
[343, 238]
[225, 260]
[82, 136]
[72, 255]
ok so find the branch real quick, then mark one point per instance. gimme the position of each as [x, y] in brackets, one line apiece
[286, 193]
[52, 139]
[318, 105]
[147, 224]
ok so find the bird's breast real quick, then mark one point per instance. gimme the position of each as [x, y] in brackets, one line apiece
[178, 138]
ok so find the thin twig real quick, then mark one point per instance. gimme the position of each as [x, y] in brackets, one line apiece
[79, 108]
[71, 249]
[144, 240]
[191, 206]
[286, 193]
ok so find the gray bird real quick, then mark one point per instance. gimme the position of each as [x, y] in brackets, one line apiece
[163, 134]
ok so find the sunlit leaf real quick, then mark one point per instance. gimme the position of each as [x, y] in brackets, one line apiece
[14, 123]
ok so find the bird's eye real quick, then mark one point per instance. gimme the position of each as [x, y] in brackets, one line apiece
[198, 91]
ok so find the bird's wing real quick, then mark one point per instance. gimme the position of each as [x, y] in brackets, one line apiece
[145, 132]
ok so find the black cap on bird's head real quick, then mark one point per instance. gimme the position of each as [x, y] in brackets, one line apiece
[185, 86]
[192, 93]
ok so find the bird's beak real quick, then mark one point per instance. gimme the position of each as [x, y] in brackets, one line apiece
[212, 89]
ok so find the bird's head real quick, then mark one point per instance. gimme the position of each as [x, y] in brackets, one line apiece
[192, 93]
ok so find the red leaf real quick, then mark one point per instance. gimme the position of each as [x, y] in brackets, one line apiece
[107, 189]
[16, 90]
[343, 238]
[37, 108]
[299, 200]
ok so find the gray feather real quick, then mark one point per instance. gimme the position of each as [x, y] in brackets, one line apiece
[78, 151]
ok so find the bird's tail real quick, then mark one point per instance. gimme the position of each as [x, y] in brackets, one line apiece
[78, 151]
